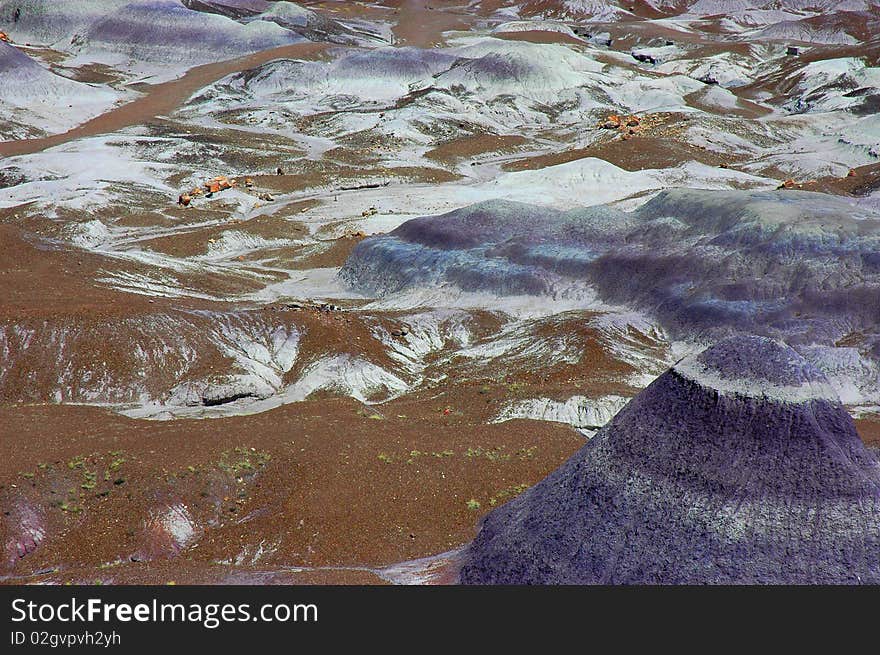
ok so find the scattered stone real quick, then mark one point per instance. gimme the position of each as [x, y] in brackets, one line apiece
[219, 183]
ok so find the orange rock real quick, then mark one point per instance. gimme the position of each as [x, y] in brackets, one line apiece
[852, 173]
[788, 184]
[611, 123]
[5, 37]
[633, 121]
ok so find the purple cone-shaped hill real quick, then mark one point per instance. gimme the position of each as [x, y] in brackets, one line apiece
[738, 465]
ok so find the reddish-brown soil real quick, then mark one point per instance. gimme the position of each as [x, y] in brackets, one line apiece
[478, 144]
[654, 145]
[869, 430]
[330, 255]
[421, 23]
[743, 109]
[36, 279]
[186, 243]
[325, 483]
[345, 177]
[863, 181]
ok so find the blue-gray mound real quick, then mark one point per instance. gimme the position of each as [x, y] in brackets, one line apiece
[695, 483]
[803, 267]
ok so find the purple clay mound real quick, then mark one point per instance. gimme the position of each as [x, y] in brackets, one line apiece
[14, 61]
[762, 362]
[791, 265]
[736, 466]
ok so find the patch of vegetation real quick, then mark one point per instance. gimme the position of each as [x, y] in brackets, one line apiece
[473, 504]
[385, 457]
[77, 462]
[494, 454]
[70, 506]
[527, 453]
[90, 480]
[241, 460]
[507, 494]
[415, 454]
[499, 454]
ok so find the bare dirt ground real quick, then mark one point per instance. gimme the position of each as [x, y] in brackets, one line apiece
[421, 23]
[327, 485]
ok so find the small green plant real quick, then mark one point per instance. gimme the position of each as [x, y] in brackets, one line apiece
[527, 453]
[506, 494]
[90, 480]
[496, 454]
[77, 462]
[473, 504]
[385, 457]
[241, 460]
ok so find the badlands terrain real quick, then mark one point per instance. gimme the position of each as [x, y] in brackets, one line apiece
[302, 292]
